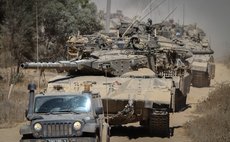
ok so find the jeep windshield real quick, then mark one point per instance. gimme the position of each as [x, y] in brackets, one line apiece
[62, 104]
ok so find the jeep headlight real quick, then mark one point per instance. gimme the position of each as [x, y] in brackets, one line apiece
[77, 125]
[37, 127]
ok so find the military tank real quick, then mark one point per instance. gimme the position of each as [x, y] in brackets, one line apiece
[194, 39]
[203, 66]
[137, 96]
[130, 90]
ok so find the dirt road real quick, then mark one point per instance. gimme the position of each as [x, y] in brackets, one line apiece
[134, 133]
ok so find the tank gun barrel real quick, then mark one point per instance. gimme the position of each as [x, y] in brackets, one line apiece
[50, 65]
[210, 51]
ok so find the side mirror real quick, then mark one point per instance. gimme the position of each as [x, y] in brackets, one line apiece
[99, 110]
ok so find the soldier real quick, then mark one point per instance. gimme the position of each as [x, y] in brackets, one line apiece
[76, 46]
[135, 43]
[149, 26]
[104, 42]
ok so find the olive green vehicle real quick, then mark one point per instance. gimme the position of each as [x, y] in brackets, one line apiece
[64, 117]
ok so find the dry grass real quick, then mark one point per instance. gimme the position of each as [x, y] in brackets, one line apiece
[12, 108]
[214, 125]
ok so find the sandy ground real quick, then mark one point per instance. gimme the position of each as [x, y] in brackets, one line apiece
[134, 133]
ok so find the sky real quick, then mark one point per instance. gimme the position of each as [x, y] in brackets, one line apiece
[213, 16]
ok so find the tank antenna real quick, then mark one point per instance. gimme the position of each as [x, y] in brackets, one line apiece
[108, 10]
[107, 100]
[138, 18]
[37, 43]
[169, 15]
[183, 14]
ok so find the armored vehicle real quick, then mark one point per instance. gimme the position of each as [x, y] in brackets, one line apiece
[137, 96]
[194, 39]
[64, 116]
[203, 66]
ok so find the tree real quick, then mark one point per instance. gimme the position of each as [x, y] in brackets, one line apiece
[87, 23]
[61, 19]
[17, 30]
[57, 21]
[2, 14]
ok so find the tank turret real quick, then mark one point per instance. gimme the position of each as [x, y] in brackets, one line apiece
[113, 63]
[116, 62]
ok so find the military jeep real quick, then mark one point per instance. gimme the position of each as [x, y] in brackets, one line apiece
[64, 117]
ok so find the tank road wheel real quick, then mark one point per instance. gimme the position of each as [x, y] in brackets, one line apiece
[200, 79]
[159, 122]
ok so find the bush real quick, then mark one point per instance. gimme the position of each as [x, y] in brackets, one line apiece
[214, 125]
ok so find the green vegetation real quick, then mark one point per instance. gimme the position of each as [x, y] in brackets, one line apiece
[57, 20]
[214, 125]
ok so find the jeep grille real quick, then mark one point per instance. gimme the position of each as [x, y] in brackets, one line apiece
[57, 129]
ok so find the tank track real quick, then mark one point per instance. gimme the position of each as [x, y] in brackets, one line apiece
[200, 79]
[159, 122]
